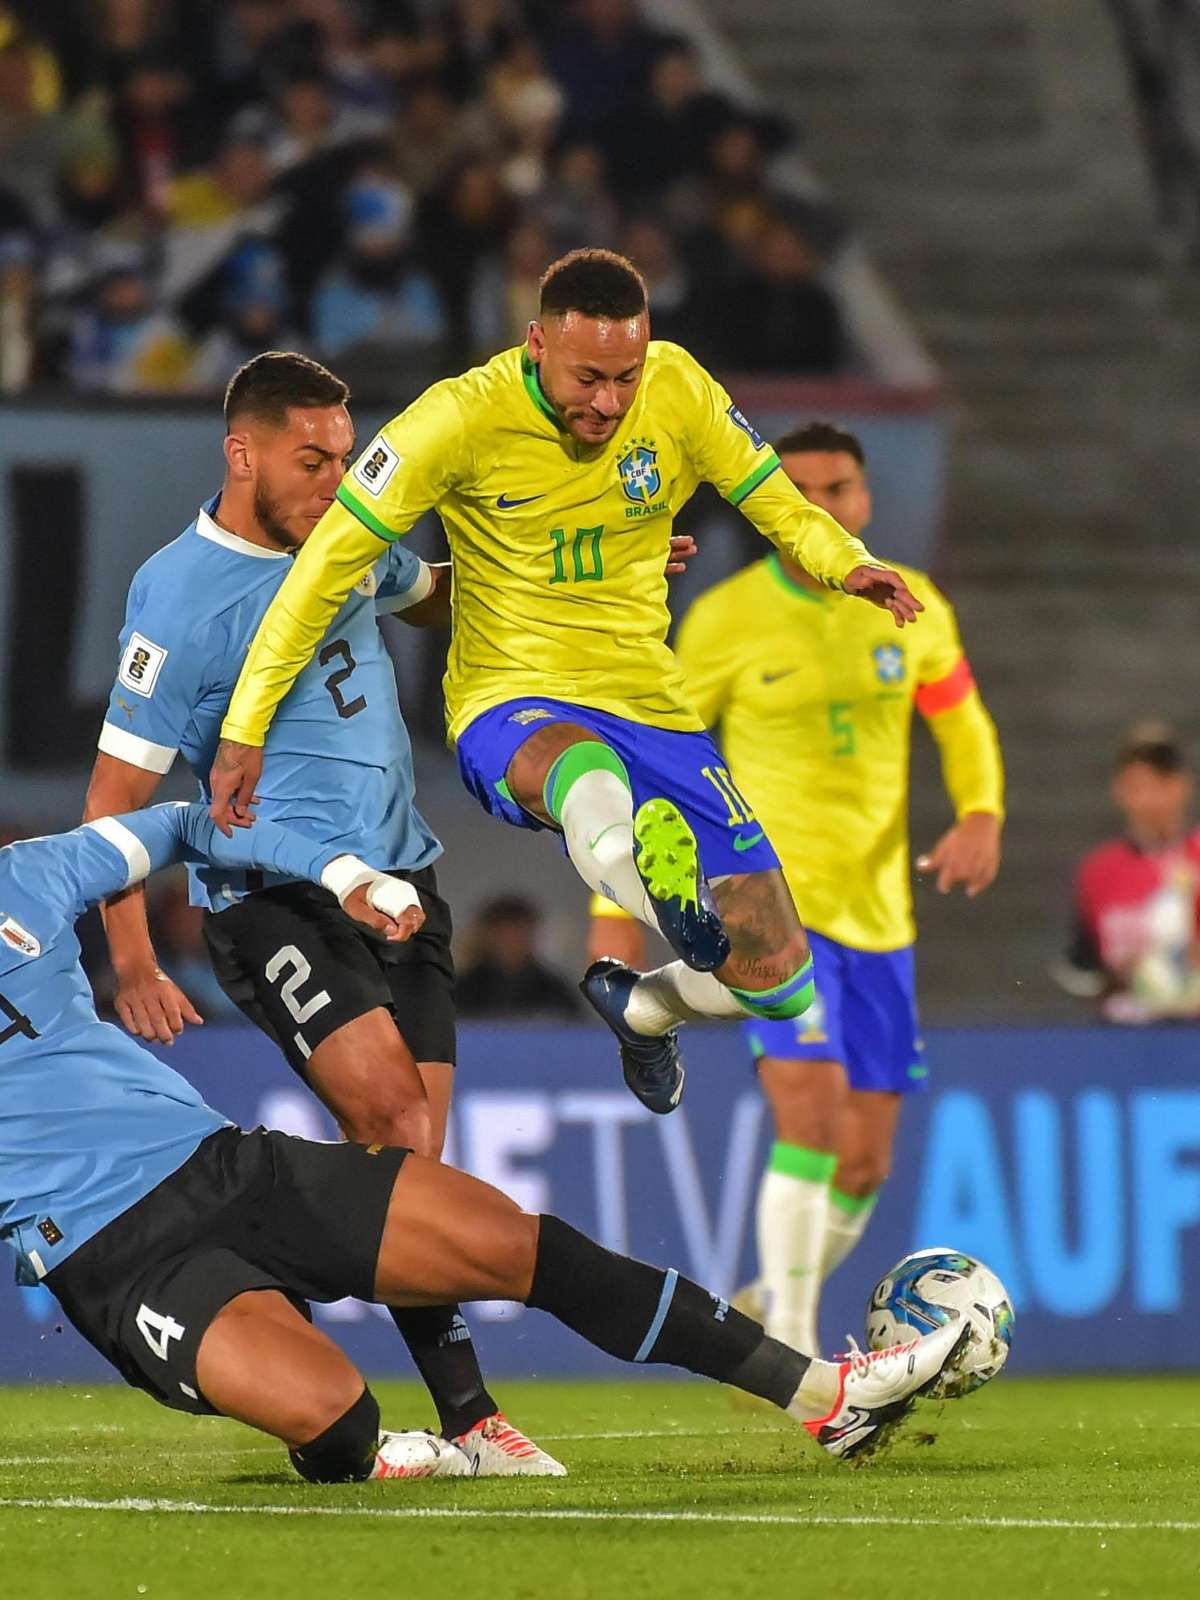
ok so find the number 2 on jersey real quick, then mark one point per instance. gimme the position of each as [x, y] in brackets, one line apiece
[18, 1022]
[586, 559]
[340, 650]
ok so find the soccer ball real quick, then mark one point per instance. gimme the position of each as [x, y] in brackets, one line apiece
[933, 1287]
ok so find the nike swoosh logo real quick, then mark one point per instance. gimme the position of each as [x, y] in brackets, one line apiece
[740, 842]
[505, 504]
[774, 677]
[592, 843]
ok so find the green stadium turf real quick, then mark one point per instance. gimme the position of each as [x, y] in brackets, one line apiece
[1058, 1487]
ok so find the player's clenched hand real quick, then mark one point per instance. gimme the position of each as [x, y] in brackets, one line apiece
[394, 929]
[968, 853]
[236, 770]
[886, 589]
[152, 1007]
[683, 548]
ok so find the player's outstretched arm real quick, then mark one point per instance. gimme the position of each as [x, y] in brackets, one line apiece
[150, 1005]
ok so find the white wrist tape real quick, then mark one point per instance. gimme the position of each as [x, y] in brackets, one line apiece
[389, 895]
[393, 896]
[422, 588]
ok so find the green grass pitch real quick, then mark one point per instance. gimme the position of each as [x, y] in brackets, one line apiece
[1058, 1487]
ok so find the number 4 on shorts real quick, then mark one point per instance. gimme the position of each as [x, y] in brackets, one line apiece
[158, 1331]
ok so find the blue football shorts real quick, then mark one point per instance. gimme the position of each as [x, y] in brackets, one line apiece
[686, 768]
[864, 1015]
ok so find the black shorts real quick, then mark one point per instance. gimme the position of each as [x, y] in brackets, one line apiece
[300, 968]
[246, 1211]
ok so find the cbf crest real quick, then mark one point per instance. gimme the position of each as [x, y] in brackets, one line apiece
[640, 477]
[889, 663]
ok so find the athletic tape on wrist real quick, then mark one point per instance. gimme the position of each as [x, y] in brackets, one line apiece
[346, 873]
[391, 896]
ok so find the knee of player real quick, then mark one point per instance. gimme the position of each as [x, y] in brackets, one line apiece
[518, 1259]
[340, 1439]
[860, 1174]
[402, 1121]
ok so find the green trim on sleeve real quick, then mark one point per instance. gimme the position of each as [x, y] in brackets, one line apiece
[748, 485]
[367, 518]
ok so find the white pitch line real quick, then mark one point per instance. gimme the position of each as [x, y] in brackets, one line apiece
[68, 1458]
[664, 1433]
[561, 1514]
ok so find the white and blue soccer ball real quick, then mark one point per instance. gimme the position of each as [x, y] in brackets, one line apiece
[933, 1287]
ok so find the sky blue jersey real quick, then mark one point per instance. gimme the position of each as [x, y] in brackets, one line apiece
[90, 1121]
[337, 765]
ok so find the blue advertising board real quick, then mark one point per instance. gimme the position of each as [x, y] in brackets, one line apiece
[1068, 1160]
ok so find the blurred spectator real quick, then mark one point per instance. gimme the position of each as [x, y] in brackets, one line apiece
[601, 52]
[159, 128]
[782, 318]
[305, 120]
[1136, 945]
[577, 206]
[210, 210]
[429, 140]
[402, 55]
[377, 296]
[179, 941]
[254, 309]
[37, 134]
[504, 299]
[502, 975]
[673, 311]
[463, 224]
[526, 106]
[122, 342]
[666, 137]
[248, 44]
[474, 33]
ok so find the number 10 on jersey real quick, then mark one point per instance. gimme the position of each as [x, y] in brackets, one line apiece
[586, 559]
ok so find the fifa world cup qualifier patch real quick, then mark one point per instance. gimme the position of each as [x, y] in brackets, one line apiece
[141, 665]
[375, 466]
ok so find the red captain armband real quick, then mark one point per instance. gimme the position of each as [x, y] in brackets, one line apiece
[947, 692]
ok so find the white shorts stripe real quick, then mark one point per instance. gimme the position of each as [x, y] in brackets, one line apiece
[137, 857]
[126, 746]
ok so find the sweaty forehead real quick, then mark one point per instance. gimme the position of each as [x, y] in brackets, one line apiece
[612, 344]
[328, 428]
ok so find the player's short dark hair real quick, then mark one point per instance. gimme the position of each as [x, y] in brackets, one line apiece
[1153, 745]
[826, 437]
[596, 283]
[268, 384]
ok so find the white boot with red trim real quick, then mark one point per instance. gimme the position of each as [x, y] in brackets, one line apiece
[420, 1455]
[499, 1450]
[876, 1389]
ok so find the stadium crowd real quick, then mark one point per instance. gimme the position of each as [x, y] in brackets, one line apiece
[379, 183]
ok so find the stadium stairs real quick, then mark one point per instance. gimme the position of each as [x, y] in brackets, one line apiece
[989, 157]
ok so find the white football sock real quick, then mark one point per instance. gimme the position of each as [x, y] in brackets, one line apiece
[845, 1226]
[597, 824]
[793, 1210]
[672, 994]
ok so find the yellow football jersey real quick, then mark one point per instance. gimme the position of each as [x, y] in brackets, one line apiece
[559, 549]
[813, 695]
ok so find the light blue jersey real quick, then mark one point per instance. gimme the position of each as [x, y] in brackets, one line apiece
[337, 766]
[90, 1121]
